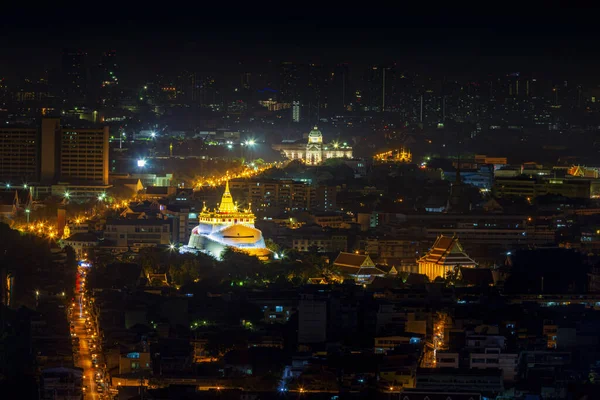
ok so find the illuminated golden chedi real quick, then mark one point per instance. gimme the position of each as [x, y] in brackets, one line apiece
[226, 226]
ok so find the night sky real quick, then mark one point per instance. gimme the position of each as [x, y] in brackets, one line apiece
[549, 38]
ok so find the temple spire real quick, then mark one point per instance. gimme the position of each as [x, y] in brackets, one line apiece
[227, 205]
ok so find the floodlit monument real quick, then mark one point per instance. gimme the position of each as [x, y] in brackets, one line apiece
[227, 226]
[445, 255]
[315, 151]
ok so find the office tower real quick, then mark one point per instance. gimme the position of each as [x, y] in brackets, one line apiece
[74, 75]
[289, 81]
[109, 65]
[376, 87]
[209, 93]
[245, 80]
[108, 78]
[84, 155]
[338, 88]
[513, 84]
[51, 154]
[18, 155]
[73, 155]
[296, 111]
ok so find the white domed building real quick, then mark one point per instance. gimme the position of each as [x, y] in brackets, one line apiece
[227, 226]
[315, 151]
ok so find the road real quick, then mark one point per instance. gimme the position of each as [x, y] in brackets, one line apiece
[85, 330]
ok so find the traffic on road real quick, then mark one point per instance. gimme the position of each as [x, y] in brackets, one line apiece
[87, 346]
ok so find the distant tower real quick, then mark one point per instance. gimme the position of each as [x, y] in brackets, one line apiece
[459, 198]
[61, 219]
[296, 111]
[74, 72]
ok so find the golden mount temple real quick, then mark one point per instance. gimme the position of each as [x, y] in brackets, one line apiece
[226, 226]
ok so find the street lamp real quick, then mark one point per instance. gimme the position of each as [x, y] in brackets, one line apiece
[250, 143]
[67, 195]
[27, 212]
[141, 163]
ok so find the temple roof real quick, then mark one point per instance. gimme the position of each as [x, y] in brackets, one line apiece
[447, 251]
[353, 260]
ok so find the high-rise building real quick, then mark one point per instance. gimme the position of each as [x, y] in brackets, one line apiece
[18, 155]
[289, 76]
[74, 75]
[109, 81]
[338, 88]
[84, 155]
[376, 83]
[72, 154]
[295, 111]
[52, 154]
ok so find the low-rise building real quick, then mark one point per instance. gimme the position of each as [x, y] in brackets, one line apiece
[137, 233]
[461, 379]
[384, 344]
[134, 362]
[81, 242]
[494, 358]
[61, 383]
[445, 359]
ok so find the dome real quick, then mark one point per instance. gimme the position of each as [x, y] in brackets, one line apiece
[315, 136]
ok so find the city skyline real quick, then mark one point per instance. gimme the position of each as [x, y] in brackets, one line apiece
[149, 42]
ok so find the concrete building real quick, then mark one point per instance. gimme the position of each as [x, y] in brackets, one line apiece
[183, 220]
[134, 362]
[54, 159]
[383, 344]
[444, 359]
[324, 242]
[84, 155]
[494, 358]
[283, 195]
[312, 319]
[19, 157]
[81, 243]
[137, 233]
[73, 155]
[61, 384]
[460, 379]
[531, 187]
